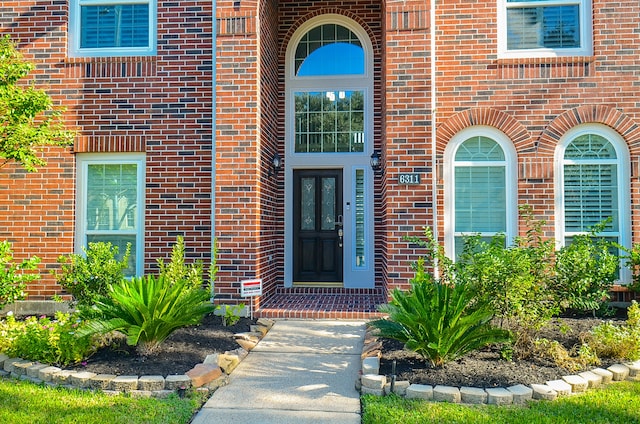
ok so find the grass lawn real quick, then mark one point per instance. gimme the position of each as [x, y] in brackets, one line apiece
[28, 403]
[616, 403]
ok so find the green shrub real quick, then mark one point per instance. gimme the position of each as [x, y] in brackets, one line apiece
[149, 309]
[515, 280]
[609, 340]
[86, 277]
[45, 340]
[13, 279]
[631, 259]
[438, 319]
[585, 271]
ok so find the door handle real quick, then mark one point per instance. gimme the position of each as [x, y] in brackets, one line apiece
[339, 221]
[340, 234]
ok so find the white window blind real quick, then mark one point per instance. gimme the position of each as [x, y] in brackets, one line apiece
[114, 26]
[480, 189]
[111, 205]
[545, 27]
[590, 184]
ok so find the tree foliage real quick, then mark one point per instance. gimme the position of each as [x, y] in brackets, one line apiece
[28, 118]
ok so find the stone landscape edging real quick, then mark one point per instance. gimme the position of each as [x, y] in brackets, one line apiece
[371, 382]
[207, 376]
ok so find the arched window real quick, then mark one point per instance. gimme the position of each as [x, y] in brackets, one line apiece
[480, 187]
[592, 170]
[329, 87]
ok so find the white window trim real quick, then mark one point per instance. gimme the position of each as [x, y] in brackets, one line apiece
[624, 184]
[353, 277]
[511, 182]
[83, 160]
[586, 32]
[75, 27]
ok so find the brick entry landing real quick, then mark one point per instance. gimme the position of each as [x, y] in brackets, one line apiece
[318, 303]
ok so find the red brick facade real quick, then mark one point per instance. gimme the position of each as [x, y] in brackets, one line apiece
[161, 105]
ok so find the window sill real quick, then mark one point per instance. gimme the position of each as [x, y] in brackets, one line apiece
[110, 59]
[552, 60]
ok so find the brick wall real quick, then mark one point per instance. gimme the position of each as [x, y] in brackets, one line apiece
[159, 105]
[162, 105]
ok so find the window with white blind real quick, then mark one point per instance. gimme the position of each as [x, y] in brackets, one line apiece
[110, 204]
[544, 28]
[480, 187]
[593, 184]
[112, 27]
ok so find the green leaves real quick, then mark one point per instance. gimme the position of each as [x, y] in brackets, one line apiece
[87, 276]
[149, 309]
[439, 320]
[13, 277]
[28, 118]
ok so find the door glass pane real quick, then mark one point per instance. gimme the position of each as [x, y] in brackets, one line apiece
[328, 203]
[360, 247]
[112, 197]
[308, 203]
[329, 122]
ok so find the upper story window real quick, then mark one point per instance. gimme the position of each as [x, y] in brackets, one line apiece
[112, 28]
[544, 28]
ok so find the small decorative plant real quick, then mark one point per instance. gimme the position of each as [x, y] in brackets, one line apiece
[231, 314]
[47, 340]
[609, 340]
[147, 310]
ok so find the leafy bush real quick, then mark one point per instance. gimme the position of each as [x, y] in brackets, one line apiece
[438, 319]
[609, 340]
[515, 280]
[585, 271]
[86, 277]
[149, 309]
[45, 340]
[13, 279]
[631, 259]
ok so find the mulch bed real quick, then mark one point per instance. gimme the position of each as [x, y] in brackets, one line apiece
[484, 368]
[184, 348]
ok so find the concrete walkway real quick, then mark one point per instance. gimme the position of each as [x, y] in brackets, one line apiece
[302, 371]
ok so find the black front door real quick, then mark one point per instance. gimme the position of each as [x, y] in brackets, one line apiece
[318, 231]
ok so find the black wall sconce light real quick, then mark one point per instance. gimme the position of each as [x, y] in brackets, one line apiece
[276, 164]
[376, 162]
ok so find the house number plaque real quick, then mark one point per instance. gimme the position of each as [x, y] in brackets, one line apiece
[409, 179]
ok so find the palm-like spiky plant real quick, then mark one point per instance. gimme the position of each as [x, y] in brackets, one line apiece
[149, 309]
[441, 321]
